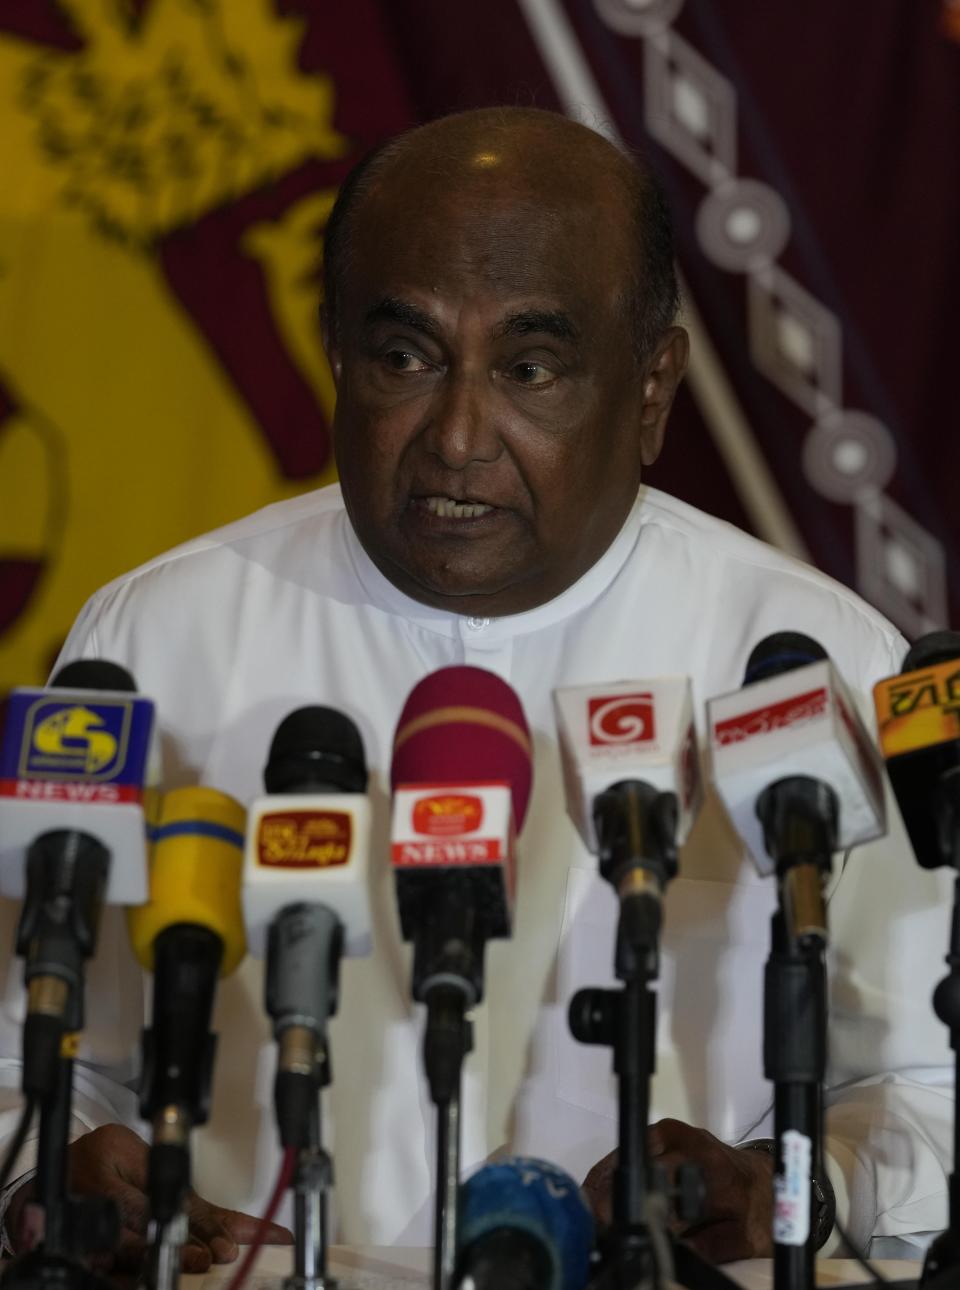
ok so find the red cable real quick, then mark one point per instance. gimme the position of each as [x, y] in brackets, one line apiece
[287, 1165]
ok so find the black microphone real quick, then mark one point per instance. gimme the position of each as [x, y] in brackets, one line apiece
[67, 869]
[306, 896]
[633, 789]
[796, 769]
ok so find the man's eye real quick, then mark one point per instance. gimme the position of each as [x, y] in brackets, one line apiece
[401, 360]
[531, 373]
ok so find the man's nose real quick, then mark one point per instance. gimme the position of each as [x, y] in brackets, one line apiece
[463, 426]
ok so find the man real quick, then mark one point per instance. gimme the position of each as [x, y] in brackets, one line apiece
[499, 318]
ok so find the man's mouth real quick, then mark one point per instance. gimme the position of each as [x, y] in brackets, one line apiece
[448, 509]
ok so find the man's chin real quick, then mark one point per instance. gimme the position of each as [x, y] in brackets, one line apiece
[477, 593]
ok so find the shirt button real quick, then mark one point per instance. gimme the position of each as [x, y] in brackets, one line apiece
[478, 624]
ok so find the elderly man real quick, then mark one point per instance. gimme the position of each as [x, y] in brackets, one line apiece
[500, 301]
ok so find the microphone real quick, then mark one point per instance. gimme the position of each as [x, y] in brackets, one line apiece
[918, 722]
[800, 779]
[74, 760]
[796, 769]
[918, 719]
[461, 777]
[633, 786]
[81, 755]
[306, 894]
[189, 933]
[524, 1225]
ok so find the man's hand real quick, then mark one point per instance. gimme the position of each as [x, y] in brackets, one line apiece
[738, 1208]
[112, 1161]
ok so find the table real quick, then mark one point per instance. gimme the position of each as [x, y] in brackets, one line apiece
[399, 1268]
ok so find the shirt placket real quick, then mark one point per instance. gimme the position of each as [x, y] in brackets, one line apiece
[484, 646]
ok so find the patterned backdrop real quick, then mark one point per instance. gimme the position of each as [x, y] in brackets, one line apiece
[167, 166]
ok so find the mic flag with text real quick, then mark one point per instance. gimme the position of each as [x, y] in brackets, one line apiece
[794, 717]
[308, 839]
[918, 723]
[628, 730]
[82, 754]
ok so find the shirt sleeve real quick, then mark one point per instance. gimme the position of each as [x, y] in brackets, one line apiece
[888, 1157]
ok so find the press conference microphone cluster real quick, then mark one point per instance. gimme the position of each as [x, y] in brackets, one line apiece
[306, 902]
[461, 777]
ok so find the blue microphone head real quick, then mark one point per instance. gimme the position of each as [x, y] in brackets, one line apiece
[522, 1194]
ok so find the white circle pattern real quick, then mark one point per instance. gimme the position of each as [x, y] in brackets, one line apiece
[742, 224]
[847, 454]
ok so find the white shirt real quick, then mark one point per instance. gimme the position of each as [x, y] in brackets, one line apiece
[232, 631]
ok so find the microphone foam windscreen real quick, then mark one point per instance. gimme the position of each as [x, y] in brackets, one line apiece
[464, 725]
[531, 1195]
[316, 749]
[781, 652]
[94, 674]
[196, 869]
[929, 650]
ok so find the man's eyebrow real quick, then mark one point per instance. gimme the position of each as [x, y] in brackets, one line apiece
[392, 309]
[552, 322]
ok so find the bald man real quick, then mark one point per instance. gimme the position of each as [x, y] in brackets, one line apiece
[499, 315]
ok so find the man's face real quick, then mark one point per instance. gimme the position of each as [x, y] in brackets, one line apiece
[491, 419]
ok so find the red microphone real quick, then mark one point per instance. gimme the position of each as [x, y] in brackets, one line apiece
[464, 724]
[461, 779]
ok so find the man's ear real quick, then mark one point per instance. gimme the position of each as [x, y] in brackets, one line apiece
[660, 381]
[330, 345]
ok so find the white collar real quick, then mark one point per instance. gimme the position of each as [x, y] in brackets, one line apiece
[582, 593]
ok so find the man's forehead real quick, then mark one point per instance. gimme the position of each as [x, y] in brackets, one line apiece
[552, 255]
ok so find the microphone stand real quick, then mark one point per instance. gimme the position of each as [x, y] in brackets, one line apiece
[799, 817]
[635, 828]
[941, 1268]
[304, 949]
[448, 978]
[311, 1185]
[636, 831]
[66, 877]
[178, 1053]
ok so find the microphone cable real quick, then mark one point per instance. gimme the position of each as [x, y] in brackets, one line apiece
[287, 1166]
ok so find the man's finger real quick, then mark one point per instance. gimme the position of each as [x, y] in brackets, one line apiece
[132, 1207]
[195, 1256]
[242, 1227]
[682, 1139]
[208, 1227]
[722, 1242]
[224, 1230]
